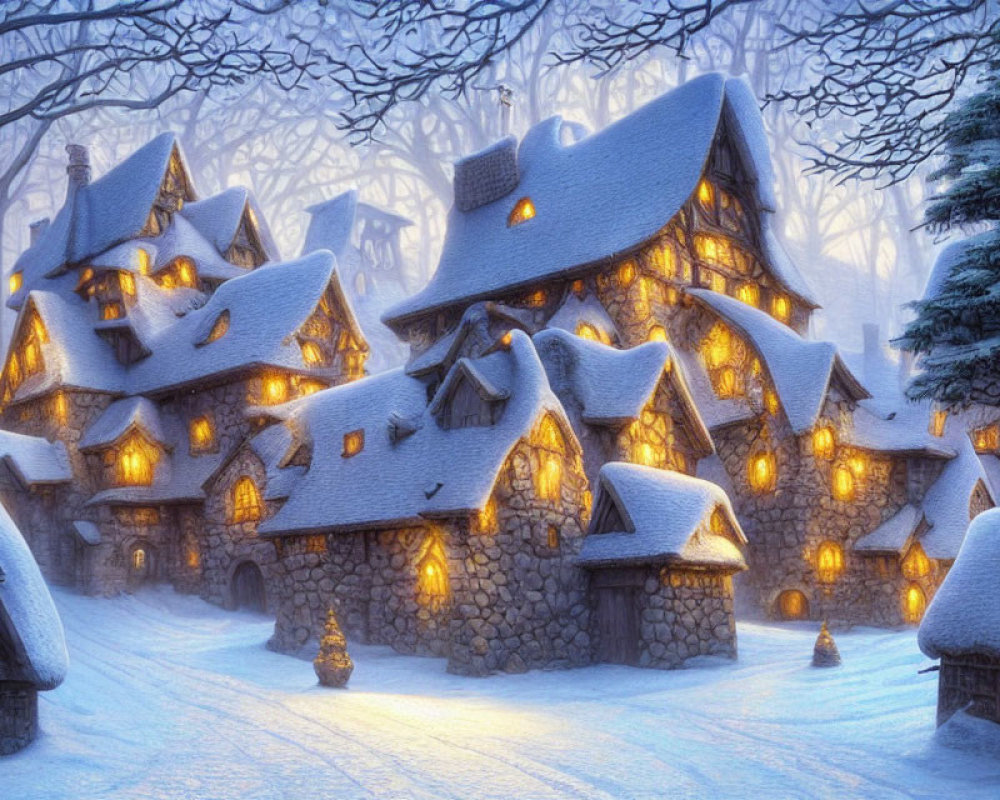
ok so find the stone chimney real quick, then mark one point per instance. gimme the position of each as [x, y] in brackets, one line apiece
[36, 229]
[487, 175]
[78, 168]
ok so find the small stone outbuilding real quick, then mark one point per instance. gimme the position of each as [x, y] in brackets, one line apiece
[962, 626]
[661, 550]
[32, 648]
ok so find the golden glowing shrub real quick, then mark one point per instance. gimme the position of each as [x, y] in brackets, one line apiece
[915, 564]
[246, 503]
[523, 210]
[823, 442]
[762, 471]
[914, 603]
[829, 561]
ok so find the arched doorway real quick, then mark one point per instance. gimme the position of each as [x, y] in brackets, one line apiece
[914, 603]
[247, 588]
[792, 604]
[141, 563]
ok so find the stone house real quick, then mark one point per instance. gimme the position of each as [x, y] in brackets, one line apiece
[140, 349]
[32, 648]
[961, 628]
[623, 238]
[661, 549]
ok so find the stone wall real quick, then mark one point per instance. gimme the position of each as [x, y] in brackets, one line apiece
[18, 717]
[683, 614]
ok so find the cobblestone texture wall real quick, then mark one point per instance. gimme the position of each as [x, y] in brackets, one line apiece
[18, 717]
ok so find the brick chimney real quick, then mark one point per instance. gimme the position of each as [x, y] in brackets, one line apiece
[36, 229]
[487, 175]
[78, 168]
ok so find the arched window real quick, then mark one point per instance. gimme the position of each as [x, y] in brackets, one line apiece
[135, 463]
[843, 484]
[829, 561]
[706, 195]
[432, 574]
[792, 604]
[219, 328]
[823, 442]
[762, 471]
[915, 563]
[551, 448]
[247, 505]
[15, 282]
[914, 603]
[626, 273]
[523, 210]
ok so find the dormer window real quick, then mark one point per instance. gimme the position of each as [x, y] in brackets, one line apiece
[354, 443]
[219, 328]
[135, 462]
[111, 311]
[523, 210]
[127, 283]
[986, 440]
[312, 354]
[274, 389]
[180, 274]
[201, 434]
[781, 308]
[15, 281]
[247, 505]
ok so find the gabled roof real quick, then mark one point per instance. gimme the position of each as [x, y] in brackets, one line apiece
[964, 616]
[122, 416]
[29, 622]
[331, 224]
[589, 310]
[946, 504]
[613, 386]
[35, 460]
[667, 515]
[431, 473]
[599, 197]
[100, 215]
[466, 369]
[801, 369]
[218, 219]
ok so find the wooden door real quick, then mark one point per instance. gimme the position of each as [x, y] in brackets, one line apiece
[617, 625]
[248, 588]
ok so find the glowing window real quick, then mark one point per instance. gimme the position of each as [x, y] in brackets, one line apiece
[644, 453]
[488, 518]
[15, 282]
[725, 382]
[538, 298]
[38, 329]
[665, 259]
[138, 559]
[274, 389]
[771, 402]
[127, 283]
[915, 564]
[135, 464]
[829, 562]
[843, 484]
[548, 478]
[312, 355]
[523, 210]
[578, 288]
[749, 294]
[857, 466]
[142, 258]
[781, 308]
[186, 275]
[60, 408]
[706, 195]
[112, 311]
[761, 472]
[193, 558]
[792, 604]
[201, 433]
[657, 334]
[717, 347]
[823, 443]
[219, 328]
[986, 439]
[316, 544]
[717, 522]
[914, 604]
[713, 249]
[354, 443]
[938, 421]
[247, 505]
[717, 282]
[432, 574]
[626, 273]
[587, 331]
[553, 537]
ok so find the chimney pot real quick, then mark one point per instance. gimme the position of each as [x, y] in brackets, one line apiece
[78, 168]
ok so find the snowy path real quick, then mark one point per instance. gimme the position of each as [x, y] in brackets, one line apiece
[171, 698]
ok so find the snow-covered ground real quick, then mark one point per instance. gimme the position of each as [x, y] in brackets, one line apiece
[168, 697]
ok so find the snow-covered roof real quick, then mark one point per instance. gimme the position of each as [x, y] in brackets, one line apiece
[946, 504]
[589, 311]
[331, 224]
[35, 460]
[964, 616]
[431, 472]
[667, 519]
[599, 197]
[612, 386]
[121, 417]
[218, 219]
[801, 369]
[29, 621]
[99, 215]
[903, 432]
[949, 256]
[88, 532]
[892, 535]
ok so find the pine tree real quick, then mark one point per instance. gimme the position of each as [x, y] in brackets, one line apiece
[333, 665]
[957, 331]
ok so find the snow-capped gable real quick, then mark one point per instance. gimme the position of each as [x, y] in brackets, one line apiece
[331, 224]
[893, 535]
[598, 197]
[131, 413]
[431, 472]
[946, 504]
[667, 516]
[35, 460]
[801, 369]
[35, 632]
[964, 616]
[218, 219]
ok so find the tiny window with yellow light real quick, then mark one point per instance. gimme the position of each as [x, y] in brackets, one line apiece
[219, 328]
[14, 282]
[749, 293]
[354, 443]
[201, 434]
[523, 210]
[135, 463]
[829, 561]
[762, 471]
[706, 195]
[781, 308]
[246, 503]
[843, 483]
[432, 574]
[938, 421]
[823, 442]
[273, 389]
[657, 334]
[626, 273]
[987, 439]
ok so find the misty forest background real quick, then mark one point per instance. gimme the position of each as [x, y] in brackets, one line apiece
[283, 98]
